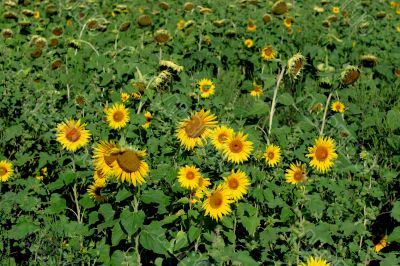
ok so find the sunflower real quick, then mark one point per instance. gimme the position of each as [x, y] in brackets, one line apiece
[148, 117]
[72, 134]
[251, 26]
[338, 106]
[381, 244]
[6, 170]
[188, 176]
[335, 10]
[272, 155]
[398, 11]
[193, 131]
[103, 158]
[219, 136]
[295, 65]
[117, 116]
[256, 90]
[98, 176]
[237, 148]
[36, 14]
[171, 65]
[393, 4]
[322, 154]
[94, 191]
[296, 173]
[129, 166]
[236, 184]
[398, 28]
[268, 53]
[39, 178]
[181, 24]
[124, 96]
[287, 22]
[217, 203]
[248, 43]
[202, 185]
[350, 75]
[207, 88]
[315, 262]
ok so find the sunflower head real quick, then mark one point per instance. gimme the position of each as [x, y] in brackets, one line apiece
[103, 157]
[148, 117]
[335, 10]
[350, 75]
[236, 184]
[268, 53]
[188, 6]
[220, 135]
[248, 43]
[251, 26]
[256, 90]
[279, 8]
[219, 23]
[296, 173]
[189, 176]
[72, 135]
[117, 116]
[272, 155]
[267, 18]
[207, 88]
[295, 65]
[381, 244]
[164, 64]
[217, 203]
[95, 190]
[338, 106]
[6, 170]
[7, 33]
[144, 20]
[369, 60]
[397, 72]
[202, 185]
[287, 22]
[322, 154]
[124, 97]
[237, 148]
[315, 262]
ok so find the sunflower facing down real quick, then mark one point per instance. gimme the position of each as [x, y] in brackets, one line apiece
[207, 88]
[219, 136]
[117, 116]
[189, 176]
[193, 131]
[322, 154]
[72, 134]
[217, 203]
[129, 166]
[236, 184]
[6, 170]
[237, 148]
[315, 262]
[295, 174]
[381, 244]
[272, 155]
[94, 191]
[103, 158]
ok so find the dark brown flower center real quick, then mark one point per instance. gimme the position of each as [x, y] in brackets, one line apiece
[321, 153]
[222, 137]
[233, 183]
[190, 175]
[73, 134]
[298, 64]
[118, 116]
[298, 175]
[351, 77]
[128, 161]
[3, 171]
[270, 155]
[236, 146]
[109, 159]
[216, 200]
[195, 127]
[267, 51]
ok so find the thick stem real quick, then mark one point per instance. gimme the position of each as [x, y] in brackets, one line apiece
[321, 132]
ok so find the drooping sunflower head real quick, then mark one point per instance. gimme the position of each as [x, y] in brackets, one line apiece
[256, 90]
[207, 88]
[369, 60]
[337, 106]
[144, 20]
[272, 155]
[268, 53]
[129, 165]
[397, 72]
[171, 65]
[267, 18]
[296, 173]
[217, 203]
[315, 262]
[236, 184]
[161, 36]
[248, 43]
[103, 157]
[322, 153]
[6, 170]
[72, 134]
[7, 33]
[193, 131]
[188, 6]
[220, 135]
[251, 26]
[188, 176]
[95, 190]
[279, 8]
[381, 244]
[295, 65]
[148, 117]
[350, 75]
[117, 115]
[237, 148]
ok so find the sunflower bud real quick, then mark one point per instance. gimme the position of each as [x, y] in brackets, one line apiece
[219, 23]
[267, 18]
[279, 8]
[295, 65]
[56, 64]
[380, 15]
[7, 33]
[144, 21]
[163, 5]
[205, 10]
[188, 6]
[124, 26]
[349, 75]
[369, 60]
[57, 31]
[161, 36]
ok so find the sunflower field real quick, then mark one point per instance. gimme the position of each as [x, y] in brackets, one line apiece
[210, 132]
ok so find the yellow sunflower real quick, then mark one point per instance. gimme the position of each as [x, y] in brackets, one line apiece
[296, 173]
[181, 24]
[193, 131]
[251, 26]
[287, 22]
[39, 178]
[129, 166]
[338, 106]
[217, 203]
[36, 14]
[219, 136]
[236, 184]
[188, 176]
[124, 96]
[248, 43]
[393, 4]
[268, 53]
[381, 244]
[117, 116]
[237, 148]
[256, 90]
[272, 155]
[6, 170]
[315, 262]
[99, 177]
[103, 158]
[322, 154]
[95, 189]
[202, 185]
[336, 10]
[207, 88]
[398, 28]
[148, 117]
[72, 134]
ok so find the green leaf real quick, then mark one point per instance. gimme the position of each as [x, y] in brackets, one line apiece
[22, 229]
[123, 194]
[395, 235]
[393, 118]
[152, 237]
[250, 223]
[107, 211]
[57, 204]
[285, 99]
[117, 235]
[181, 241]
[194, 233]
[132, 221]
[243, 258]
[396, 211]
